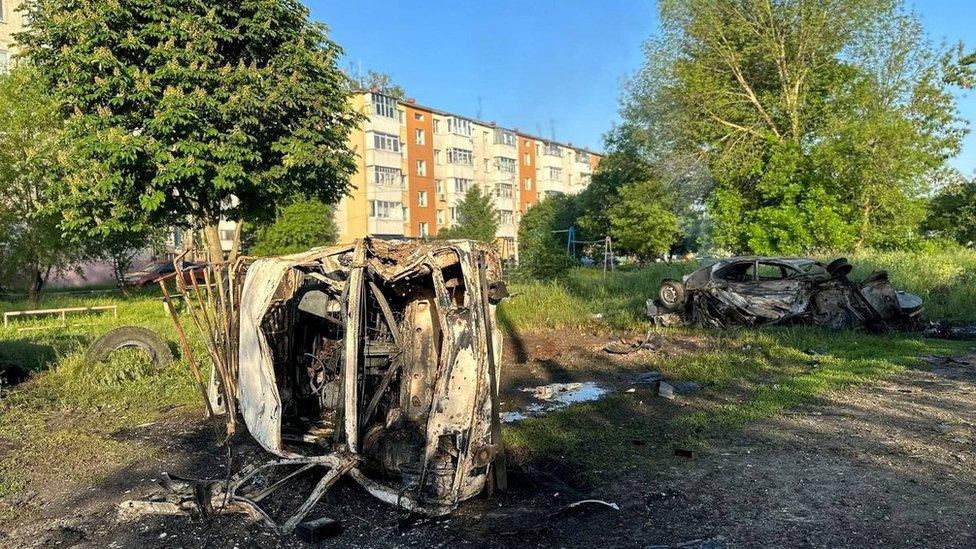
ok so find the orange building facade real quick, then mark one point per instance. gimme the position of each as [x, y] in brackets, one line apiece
[416, 163]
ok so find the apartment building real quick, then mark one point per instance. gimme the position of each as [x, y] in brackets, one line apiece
[416, 164]
[11, 22]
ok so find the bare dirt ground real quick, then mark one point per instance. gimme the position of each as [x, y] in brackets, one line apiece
[891, 463]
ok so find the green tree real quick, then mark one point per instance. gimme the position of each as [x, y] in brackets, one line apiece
[477, 218]
[192, 111]
[816, 122]
[378, 80]
[542, 237]
[32, 246]
[642, 221]
[953, 210]
[300, 226]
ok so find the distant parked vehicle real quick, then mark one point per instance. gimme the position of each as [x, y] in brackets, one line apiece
[160, 269]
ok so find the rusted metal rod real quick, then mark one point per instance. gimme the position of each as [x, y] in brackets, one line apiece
[187, 350]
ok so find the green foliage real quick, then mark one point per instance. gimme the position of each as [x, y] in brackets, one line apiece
[953, 211]
[641, 220]
[818, 123]
[173, 107]
[32, 246]
[542, 250]
[300, 226]
[477, 218]
[378, 80]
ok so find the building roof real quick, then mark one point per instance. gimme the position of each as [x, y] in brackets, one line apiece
[413, 103]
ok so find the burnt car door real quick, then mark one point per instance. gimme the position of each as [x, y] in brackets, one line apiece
[760, 291]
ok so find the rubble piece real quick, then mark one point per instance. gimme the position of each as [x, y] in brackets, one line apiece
[377, 359]
[774, 290]
[684, 452]
[666, 390]
[649, 377]
[684, 387]
[624, 346]
[945, 330]
[318, 530]
[587, 503]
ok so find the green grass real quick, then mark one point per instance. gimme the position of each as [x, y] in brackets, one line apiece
[62, 419]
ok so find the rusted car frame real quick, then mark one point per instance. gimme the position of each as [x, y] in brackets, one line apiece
[376, 360]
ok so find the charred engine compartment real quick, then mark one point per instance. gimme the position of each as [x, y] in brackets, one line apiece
[376, 360]
[402, 353]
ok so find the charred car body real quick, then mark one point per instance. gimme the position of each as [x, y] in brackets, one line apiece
[773, 290]
[376, 360]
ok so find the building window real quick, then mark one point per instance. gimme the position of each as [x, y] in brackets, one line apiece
[422, 199]
[438, 186]
[505, 137]
[506, 217]
[553, 149]
[424, 229]
[461, 185]
[418, 116]
[440, 217]
[4, 58]
[386, 142]
[454, 214]
[506, 165]
[528, 183]
[527, 159]
[555, 173]
[459, 126]
[437, 126]
[419, 138]
[385, 209]
[387, 177]
[585, 178]
[463, 157]
[385, 106]
[504, 190]
[583, 157]
[422, 168]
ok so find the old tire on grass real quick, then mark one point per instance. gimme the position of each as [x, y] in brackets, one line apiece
[128, 337]
[671, 294]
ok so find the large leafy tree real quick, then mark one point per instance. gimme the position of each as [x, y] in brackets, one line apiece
[953, 209]
[31, 243]
[299, 226]
[543, 236]
[477, 218]
[641, 220]
[817, 121]
[191, 111]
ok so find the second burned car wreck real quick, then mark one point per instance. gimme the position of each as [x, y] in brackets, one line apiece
[376, 360]
[771, 290]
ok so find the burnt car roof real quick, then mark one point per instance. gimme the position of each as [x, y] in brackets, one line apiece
[791, 261]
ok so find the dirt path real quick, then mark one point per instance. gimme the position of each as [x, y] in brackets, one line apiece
[888, 464]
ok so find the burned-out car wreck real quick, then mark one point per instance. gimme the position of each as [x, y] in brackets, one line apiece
[774, 290]
[376, 361]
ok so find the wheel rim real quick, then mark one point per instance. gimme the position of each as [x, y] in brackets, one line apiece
[669, 294]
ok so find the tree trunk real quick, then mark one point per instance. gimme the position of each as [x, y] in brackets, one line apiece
[35, 283]
[211, 237]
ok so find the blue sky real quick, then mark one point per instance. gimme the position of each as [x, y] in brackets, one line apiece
[542, 66]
